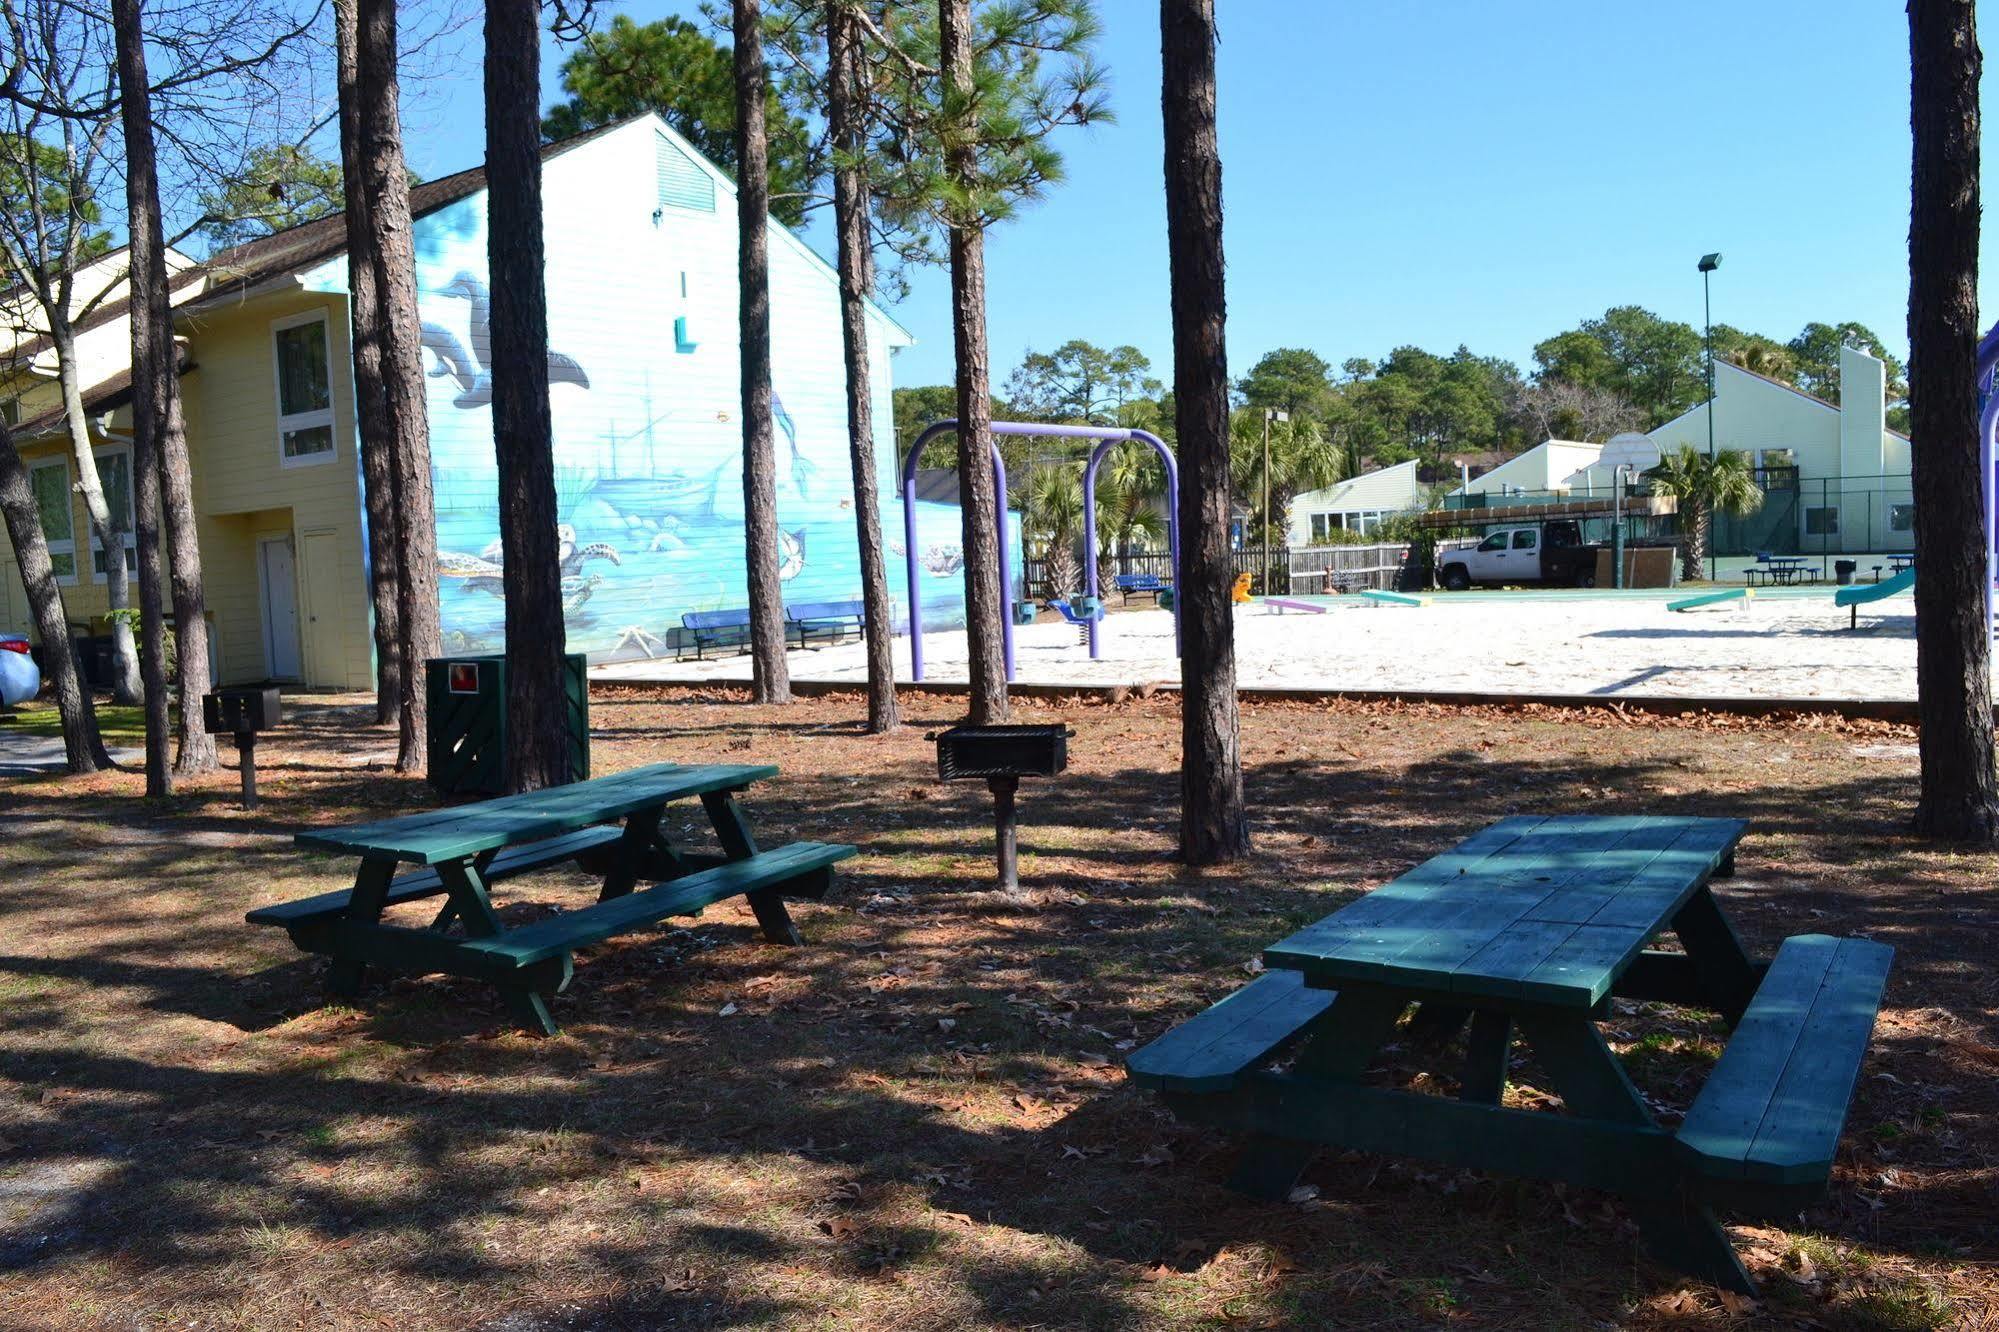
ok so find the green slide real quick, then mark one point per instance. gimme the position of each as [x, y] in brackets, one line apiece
[1854, 596]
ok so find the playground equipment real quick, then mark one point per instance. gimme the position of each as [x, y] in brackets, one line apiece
[1854, 597]
[1380, 598]
[1240, 592]
[1084, 614]
[1108, 438]
[1283, 604]
[1710, 599]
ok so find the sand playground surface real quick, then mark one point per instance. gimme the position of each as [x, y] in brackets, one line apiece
[1780, 644]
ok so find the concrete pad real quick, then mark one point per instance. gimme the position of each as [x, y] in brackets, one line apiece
[39, 755]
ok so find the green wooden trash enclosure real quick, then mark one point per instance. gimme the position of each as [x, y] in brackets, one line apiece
[467, 740]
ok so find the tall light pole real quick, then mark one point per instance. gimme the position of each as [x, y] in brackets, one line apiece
[1269, 414]
[1709, 262]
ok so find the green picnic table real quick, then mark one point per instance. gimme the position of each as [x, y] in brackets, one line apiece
[1528, 929]
[609, 826]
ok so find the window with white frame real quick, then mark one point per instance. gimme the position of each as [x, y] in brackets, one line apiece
[50, 481]
[1325, 524]
[114, 472]
[305, 389]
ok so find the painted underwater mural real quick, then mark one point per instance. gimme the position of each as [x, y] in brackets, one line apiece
[648, 450]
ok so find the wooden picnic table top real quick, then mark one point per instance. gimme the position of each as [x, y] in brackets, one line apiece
[437, 835]
[1544, 910]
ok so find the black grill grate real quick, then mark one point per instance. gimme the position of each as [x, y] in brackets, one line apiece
[966, 752]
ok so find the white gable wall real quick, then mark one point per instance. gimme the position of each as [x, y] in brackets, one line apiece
[1546, 466]
[1846, 456]
[1387, 490]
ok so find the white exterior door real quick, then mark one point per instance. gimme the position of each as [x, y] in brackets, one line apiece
[277, 576]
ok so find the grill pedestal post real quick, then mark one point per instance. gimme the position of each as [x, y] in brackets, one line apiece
[246, 762]
[1005, 828]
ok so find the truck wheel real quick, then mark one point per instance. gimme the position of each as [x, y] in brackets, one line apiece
[1586, 580]
[1456, 578]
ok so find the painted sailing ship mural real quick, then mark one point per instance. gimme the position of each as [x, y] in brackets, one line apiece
[648, 449]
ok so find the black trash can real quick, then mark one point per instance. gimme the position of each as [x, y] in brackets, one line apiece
[467, 696]
[1843, 570]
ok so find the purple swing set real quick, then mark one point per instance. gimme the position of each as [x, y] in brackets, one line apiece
[1108, 438]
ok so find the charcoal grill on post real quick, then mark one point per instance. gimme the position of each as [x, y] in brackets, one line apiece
[242, 711]
[1002, 755]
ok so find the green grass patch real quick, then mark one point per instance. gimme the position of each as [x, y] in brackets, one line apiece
[41, 719]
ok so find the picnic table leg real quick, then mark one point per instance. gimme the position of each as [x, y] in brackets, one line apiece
[1342, 1041]
[1437, 1024]
[1681, 1233]
[449, 911]
[526, 1005]
[732, 830]
[370, 895]
[1486, 1054]
[639, 850]
[1722, 967]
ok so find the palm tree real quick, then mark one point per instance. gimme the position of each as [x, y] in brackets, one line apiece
[1055, 499]
[1302, 458]
[1704, 487]
[1130, 486]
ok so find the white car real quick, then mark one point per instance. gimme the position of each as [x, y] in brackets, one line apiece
[20, 678]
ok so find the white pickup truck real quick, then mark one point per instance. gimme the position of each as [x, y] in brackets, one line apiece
[1550, 552]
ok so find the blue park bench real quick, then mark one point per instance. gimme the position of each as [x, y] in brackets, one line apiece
[717, 628]
[1529, 928]
[1139, 585]
[828, 619]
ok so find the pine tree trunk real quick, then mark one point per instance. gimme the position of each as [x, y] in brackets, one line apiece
[378, 473]
[850, 212]
[148, 418]
[1213, 827]
[156, 396]
[1959, 796]
[197, 747]
[104, 526]
[82, 745]
[523, 435]
[770, 673]
[392, 255]
[978, 505]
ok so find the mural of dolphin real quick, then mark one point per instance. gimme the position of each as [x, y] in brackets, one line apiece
[474, 377]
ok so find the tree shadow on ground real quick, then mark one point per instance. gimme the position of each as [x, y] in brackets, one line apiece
[419, 1136]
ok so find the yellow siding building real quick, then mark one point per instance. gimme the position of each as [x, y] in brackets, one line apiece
[641, 242]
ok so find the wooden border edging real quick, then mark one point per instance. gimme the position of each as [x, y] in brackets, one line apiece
[1891, 710]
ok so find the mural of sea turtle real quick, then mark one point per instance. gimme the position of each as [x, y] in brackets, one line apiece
[484, 573]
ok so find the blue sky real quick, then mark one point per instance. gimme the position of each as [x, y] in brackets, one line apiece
[1459, 171]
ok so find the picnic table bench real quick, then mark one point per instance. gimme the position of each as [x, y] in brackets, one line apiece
[609, 826]
[717, 628]
[1139, 585]
[829, 619]
[1529, 928]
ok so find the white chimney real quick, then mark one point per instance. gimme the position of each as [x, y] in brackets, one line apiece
[1863, 414]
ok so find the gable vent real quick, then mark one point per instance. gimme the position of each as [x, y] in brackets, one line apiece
[682, 182]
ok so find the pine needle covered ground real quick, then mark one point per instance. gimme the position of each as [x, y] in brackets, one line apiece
[918, 1120]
